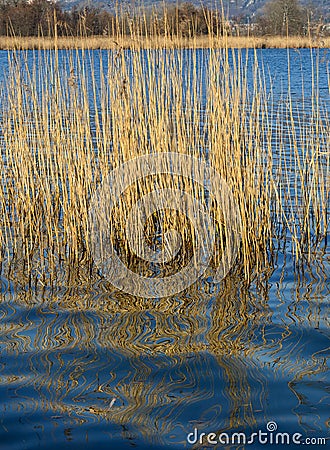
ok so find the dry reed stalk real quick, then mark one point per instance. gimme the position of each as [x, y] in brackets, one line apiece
[66, 124]
[140, 41]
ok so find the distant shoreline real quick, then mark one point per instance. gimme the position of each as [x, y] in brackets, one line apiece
[109, 42]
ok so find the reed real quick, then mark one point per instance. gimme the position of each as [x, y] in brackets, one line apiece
[69, 117]
[110, 42]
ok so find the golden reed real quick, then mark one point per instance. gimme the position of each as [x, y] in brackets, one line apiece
[65, 125]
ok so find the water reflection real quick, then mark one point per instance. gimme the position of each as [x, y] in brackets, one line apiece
[148, 372]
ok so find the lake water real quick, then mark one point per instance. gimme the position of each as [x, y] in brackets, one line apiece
[85, 367]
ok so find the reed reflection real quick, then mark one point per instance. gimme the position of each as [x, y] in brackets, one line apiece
[208, 356]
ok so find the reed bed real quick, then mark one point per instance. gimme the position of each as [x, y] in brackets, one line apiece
[69, 118]
[109, 42]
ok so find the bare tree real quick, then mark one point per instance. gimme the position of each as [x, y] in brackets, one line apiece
[282, 17]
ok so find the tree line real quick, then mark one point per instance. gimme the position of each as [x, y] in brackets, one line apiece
[284, 17]
[39, 17]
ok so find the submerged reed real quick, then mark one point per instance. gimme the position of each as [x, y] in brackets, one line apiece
[69, 118]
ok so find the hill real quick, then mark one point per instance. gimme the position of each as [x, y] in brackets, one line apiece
[232, 8]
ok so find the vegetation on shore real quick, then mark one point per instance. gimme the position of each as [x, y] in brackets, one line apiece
[105, 42]
[44, 24]
[183, 19]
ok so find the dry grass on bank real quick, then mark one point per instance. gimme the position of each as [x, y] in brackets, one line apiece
[104, 42]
